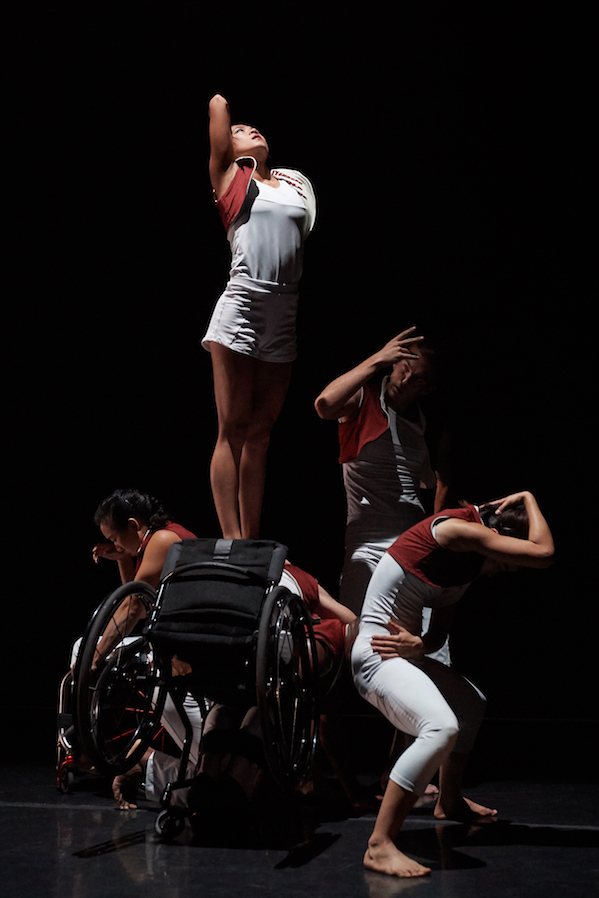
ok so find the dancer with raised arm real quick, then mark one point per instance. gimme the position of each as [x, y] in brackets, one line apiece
[383, 452]
[431, 565]
[252, 332]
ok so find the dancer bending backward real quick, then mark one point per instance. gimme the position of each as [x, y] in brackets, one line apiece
[251, 335]
[432, 565]
[383, 452]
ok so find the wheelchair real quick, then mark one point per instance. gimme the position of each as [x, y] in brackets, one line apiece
[67, 745]
[219, 614]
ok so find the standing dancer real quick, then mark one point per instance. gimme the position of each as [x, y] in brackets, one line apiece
[432, 565]
[251, 336]
[383, 452]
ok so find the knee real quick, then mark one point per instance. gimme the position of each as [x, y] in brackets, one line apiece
[233, 431]
[258, 433]
[450, 735]
[443, 733]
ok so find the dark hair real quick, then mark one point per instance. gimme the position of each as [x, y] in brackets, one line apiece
[513, 521]
[429, 349]
[431, 355]
[124, 504]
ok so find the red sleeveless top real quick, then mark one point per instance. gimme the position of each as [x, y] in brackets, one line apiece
[419, 553]
[181, 532]
[328, 629]
[370, 422]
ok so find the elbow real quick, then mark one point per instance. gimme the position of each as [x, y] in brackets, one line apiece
[320, 406]
[545, 558]
[324, 409]
[548, 559]
[217, 102]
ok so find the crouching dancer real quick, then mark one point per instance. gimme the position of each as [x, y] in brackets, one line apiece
[431, 565]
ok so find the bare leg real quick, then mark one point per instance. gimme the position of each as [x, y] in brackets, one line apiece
[451, 805]
[249, 395]
[270, 385]
[382, 854]
[125, 785]
[232, 377]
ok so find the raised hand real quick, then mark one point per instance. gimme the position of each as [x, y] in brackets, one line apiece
[400, 347]
[108, 551]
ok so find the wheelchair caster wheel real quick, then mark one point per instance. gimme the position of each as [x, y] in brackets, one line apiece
[169, 824]
[65, 782]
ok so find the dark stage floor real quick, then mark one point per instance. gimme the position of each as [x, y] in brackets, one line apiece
[79, 845]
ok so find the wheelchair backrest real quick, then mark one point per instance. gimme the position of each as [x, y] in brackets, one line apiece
[212, 591]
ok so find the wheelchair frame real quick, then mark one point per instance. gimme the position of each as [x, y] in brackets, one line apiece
[118, 702]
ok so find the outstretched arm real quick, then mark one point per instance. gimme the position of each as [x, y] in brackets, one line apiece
[341, 398]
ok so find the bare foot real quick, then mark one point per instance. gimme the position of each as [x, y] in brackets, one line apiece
[84, 764]
[362, 798]
[465, 810]
[125, 786]
[386, 858]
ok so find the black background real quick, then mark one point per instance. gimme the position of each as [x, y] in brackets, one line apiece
[449, 157]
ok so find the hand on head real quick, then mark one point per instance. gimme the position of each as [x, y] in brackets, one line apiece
[402, 346]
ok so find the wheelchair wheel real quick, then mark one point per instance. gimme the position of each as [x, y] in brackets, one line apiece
[287, 687]
[65, 781]
[119, 694]
[169, 824]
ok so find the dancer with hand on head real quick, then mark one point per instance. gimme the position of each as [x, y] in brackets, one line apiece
[251, 335]
[431, 565]
[383, 451]
[385, 459]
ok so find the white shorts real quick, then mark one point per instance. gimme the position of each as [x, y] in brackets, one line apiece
[255, 321]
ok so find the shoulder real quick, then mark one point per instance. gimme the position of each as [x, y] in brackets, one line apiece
[299, 181]
[461, 535]
[304, 187]
[162, 538]
[234, 179]
[365, 401]
[154, 556]
[180, 530]
[352, 407]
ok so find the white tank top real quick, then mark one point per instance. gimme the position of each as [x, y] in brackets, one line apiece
[266, 247]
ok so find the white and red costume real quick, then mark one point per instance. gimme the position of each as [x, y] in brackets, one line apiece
[421, 697]
[385, 467]
[266, 229]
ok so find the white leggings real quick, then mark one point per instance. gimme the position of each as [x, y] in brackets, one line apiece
[362, 558]
[428, 700]
[431, 702]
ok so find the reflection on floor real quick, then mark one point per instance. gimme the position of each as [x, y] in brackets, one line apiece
[80, 846]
